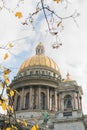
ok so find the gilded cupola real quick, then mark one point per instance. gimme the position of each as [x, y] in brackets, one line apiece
[39, 60]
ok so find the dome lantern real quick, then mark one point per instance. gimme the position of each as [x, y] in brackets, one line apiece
[40, 49]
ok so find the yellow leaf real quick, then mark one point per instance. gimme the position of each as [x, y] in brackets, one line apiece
[14, 127]
[5, 100]
[18, 14]
[2, 85]
[35, 119]
[57, 1]
[10, 108]
[5, 56]
[11, 93]
[5, 76]
[7, 71]
[8, 88]
[37, 127]
[0, 102]
[7, 81]
[4, 107]
[33, 128]
[25, 123]
[10, 45]
[8, 128]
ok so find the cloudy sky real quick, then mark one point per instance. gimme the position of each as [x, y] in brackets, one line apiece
[70, 57]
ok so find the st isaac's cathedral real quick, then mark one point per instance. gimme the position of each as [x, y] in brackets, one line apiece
[42, 90]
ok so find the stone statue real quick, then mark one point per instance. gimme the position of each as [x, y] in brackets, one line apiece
[45, 117]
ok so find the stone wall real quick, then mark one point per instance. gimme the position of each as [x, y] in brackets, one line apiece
[69, 125]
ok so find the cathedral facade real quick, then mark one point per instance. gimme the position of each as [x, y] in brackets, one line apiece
[42, 89]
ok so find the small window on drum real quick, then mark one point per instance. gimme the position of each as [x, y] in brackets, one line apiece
[43, 73]
[40, 72]
[31, 73]
[54, 75]
[48, 72]
[37, 72]
[25, 73]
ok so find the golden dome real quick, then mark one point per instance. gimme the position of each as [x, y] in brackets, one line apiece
[40, 60]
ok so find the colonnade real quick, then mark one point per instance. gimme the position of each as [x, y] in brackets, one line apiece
[39, 98]
[45, 98]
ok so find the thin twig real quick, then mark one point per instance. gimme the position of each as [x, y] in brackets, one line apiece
[45, 14]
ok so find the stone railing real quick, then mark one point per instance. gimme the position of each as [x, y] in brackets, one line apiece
[34, 76]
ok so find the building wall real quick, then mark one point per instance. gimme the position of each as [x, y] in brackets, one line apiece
[69, 125]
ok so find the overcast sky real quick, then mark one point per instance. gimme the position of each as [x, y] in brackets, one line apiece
[70, 57]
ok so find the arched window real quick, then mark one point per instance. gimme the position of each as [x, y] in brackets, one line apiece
[54, 75]
[18, 103]
[67, 102]
[43, 101]
[37, 72]
[31, 72]
[47, 73]
[25, 73]
[27, 101]
[43, 73]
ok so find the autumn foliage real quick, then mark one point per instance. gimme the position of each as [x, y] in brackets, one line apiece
[7, 103]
